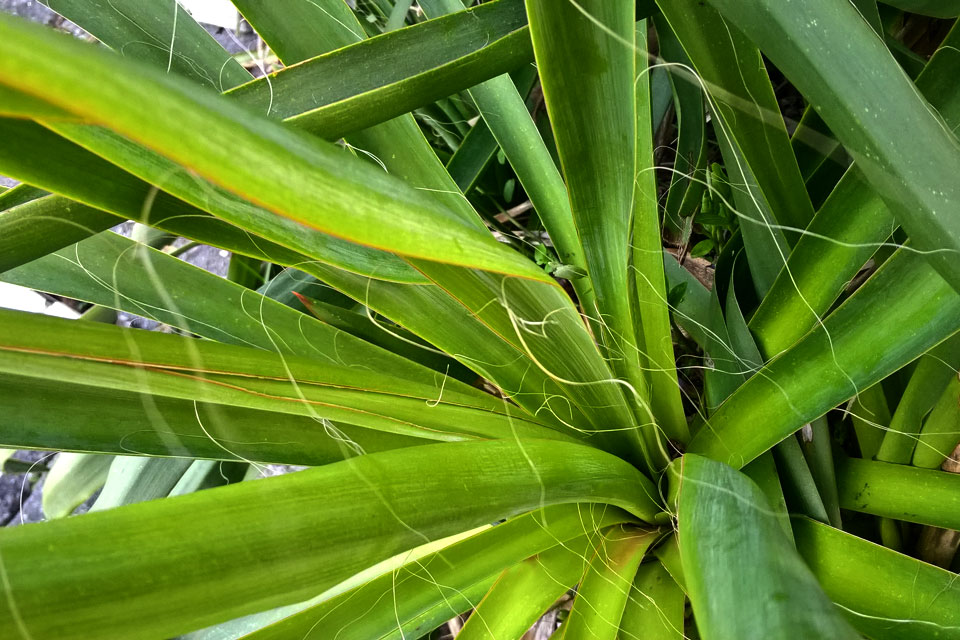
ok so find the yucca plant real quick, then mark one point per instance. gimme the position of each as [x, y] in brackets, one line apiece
[489, 395]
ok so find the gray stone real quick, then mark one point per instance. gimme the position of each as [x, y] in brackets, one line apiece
[32, 510]
[33, 10]
[10, 487]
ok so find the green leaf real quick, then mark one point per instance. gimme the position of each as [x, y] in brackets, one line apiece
[818, 450]
[279, 169]
[871, 335]
[675, 297]
[390, 337]
[206, 372]
[900, 492]
[765, 244]
[398, 15]
[238, 627]
[425, 592]
[647, 262]
[702, 248]
[394, 73]
[763, 471]
[867, 583]
[655, 607]
[41, 157]
[847, 229]
[472, 156]
[911, 168]
[607, 584]
[300, 31]
[688, 175]
[796, 477]
[308, 29]
[20, 194]
[941, 429]
[231, 562]
[38, 227]
[745, 109]
[522, 593]
[73, 478]
[113, 271]
[587, 75]
[743, 576]
[16, 104]
[132, 479]
[125, 423]
[462, 326]
[504, 367]
[700, 314]
[870, 415]
[505, 113]
[162, 33]
[927, 384]
[507, 365]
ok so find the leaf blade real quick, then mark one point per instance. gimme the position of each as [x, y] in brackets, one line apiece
[712, 500]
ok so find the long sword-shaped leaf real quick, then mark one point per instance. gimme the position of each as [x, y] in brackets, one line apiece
[78, 577]
[866, 581]
[607, 584]
[423, 593]
[39, 156]
[866, 103]
[493, 304]
[306, 183]
[439, 57]
[113, 271]
[419, 308]
[162, 33]
[505, 113]
[124, 423]
[585, 57]
[34, 229]
[523, 592]
[20, 194]
[207, 372]
[655, 608]
[941, 429]
[870, 336]
[598, 392]
[743, 101]
[897, 491]
[205, 57]
[647, 261]
[204, 196]
[135, 479]
[72, 480]
[237, 627]
[927, 382]
[587, 77]
[507, 370]
[847, 229]
[308, 29]
[743, 577]
[688, 175]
